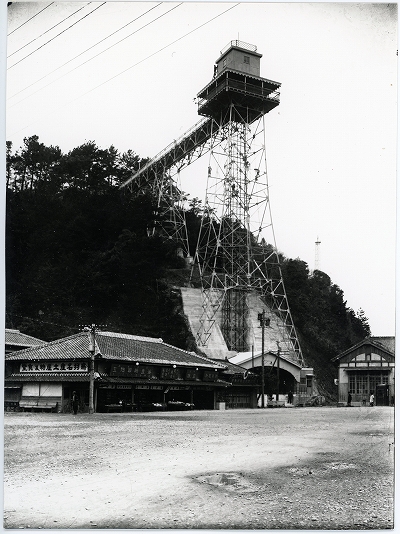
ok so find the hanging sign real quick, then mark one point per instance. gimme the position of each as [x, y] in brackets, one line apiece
[190, 374]
[136, 371]
[210, 376]
[168, 373]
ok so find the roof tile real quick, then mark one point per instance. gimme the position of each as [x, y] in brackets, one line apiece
[115, 346]
[18, 339]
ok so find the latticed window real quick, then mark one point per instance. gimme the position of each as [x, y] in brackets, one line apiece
[365, 383]
[362, 384]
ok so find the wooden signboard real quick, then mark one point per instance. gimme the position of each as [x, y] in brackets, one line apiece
[190, 374]
[168, 373]
[134, 371]
[210, 376]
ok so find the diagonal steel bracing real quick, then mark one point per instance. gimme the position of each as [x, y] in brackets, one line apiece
[236, 251]
[158, 176]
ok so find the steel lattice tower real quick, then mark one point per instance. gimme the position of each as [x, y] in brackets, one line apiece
[236, 252]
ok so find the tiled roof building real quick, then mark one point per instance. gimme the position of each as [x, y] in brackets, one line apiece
[16, 340]
[131, 372]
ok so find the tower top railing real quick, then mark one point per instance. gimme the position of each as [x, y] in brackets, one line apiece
[240, 44]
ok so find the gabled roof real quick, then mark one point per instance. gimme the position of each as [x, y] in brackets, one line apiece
[231, 368]
[68, 348]
[114, 346]
[128, 347]
[243, 357]
[18, 339]
[386, 344]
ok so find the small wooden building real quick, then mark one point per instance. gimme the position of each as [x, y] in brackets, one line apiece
[130, 373]
[366, 369]
[243, 388]
[15, 340]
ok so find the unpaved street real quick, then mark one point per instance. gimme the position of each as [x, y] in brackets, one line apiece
[304, 468]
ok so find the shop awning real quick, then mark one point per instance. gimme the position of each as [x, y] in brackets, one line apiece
[48, 377]
[136, 381]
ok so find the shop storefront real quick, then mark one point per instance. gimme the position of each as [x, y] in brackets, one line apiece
[130, 373]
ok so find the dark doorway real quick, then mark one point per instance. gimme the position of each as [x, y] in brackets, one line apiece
[203, 400]
[382, 395]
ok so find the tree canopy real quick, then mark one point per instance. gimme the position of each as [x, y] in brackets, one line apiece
[78, 252]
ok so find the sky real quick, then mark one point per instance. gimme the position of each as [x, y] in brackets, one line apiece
[127, 73]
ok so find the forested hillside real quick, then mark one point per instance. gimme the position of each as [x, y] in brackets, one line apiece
[78, 252]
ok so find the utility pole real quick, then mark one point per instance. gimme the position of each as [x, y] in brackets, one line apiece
[277, 369]
[92, 347]
[263, 323]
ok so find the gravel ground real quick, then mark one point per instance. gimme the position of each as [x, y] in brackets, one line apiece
[304, 468]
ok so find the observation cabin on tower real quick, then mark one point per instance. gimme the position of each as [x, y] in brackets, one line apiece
[237, 92]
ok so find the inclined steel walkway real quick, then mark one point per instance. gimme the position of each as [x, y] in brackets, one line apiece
[178, 154]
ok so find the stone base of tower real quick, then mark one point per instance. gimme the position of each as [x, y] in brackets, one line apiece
[192, 299]
[216, 347]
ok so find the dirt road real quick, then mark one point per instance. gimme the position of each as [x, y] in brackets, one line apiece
[303, 468]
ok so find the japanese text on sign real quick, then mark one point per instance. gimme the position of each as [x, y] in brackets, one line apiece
[131, 371]
[168, 373]
[210, 376]
[46, 367]
[190, 374]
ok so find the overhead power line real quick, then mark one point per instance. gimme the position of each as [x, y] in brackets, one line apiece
[38, 13]
[47, 31]
[157, 52]
[145, 59]
[33, 319]
[52, 39]
[81, 53]
[102, 52]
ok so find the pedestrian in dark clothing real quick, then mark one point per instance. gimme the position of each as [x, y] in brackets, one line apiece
[75, 402]
[349, 399]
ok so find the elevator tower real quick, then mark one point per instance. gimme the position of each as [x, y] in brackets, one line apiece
[236, 253]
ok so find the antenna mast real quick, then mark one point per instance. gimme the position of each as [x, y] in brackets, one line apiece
[317, 255]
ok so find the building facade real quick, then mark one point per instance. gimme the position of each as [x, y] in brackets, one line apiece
[15, 340]
[366, 369]
[130, 373]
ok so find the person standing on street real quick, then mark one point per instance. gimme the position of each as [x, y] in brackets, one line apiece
[349, 399]
[371, 399]
[75, 402]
